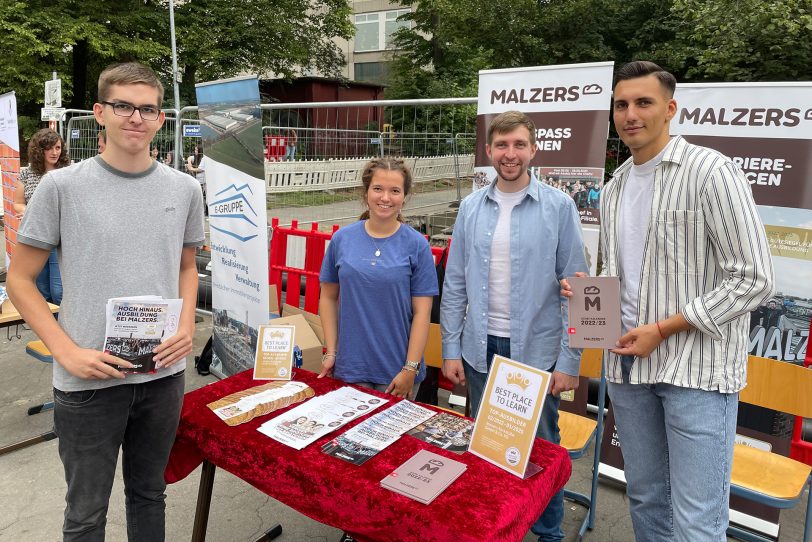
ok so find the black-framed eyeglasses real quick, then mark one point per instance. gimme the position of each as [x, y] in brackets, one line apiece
[123, 109]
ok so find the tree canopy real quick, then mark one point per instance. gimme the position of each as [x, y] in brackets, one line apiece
[726, 40]
[215, 38]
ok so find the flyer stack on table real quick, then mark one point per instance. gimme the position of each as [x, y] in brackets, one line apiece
[350, 497]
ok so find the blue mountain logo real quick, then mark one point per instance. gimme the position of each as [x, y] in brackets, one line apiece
[231, 210]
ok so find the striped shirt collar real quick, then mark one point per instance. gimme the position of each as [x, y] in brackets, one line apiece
[675, 152]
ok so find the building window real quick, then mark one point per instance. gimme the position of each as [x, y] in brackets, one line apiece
[372, 72]
[374, 31]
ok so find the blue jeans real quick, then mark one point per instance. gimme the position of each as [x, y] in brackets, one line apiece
[49, 280]
[92, 425]
[548, 525]
[677, 448]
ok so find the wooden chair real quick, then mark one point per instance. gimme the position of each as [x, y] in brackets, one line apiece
[579, 432]
[763, 476]
[433, 354]
[38, 351]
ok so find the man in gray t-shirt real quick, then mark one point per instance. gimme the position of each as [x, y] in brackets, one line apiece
[123, 225]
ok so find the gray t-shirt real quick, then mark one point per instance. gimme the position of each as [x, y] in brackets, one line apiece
[118, 234]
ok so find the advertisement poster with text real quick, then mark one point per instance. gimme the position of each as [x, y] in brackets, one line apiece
[766, 128]
[569, 105]
[231, 128]
[9, 167]
[505, 426]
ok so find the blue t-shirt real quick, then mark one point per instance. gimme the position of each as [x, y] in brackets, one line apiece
[375, 299]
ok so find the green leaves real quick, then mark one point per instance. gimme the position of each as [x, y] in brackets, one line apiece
[215, 38]
[732, 40]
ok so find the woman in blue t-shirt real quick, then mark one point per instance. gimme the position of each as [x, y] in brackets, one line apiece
[377, 283]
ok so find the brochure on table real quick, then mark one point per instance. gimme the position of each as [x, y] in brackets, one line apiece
[508, 417]
[274, 356]
[136, 325]
[445, 430]
[319, 416]
[424, 476]
[594, 312]
[245, 405]
[373, 435]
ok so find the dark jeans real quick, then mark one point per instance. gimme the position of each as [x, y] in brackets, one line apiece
[92, 426]
[548, 525]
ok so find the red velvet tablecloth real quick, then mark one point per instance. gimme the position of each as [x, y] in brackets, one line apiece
[485, 503]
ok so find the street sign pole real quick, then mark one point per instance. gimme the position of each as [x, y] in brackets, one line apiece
[176, 154]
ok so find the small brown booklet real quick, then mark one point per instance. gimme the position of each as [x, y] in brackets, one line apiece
[424, 476]
[594, 312]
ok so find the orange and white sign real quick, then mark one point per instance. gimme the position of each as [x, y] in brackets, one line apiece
[274, 358]
[509, 415]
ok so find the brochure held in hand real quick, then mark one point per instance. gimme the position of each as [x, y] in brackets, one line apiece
[136, 325]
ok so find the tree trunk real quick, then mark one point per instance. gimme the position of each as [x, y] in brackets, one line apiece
[80, 97]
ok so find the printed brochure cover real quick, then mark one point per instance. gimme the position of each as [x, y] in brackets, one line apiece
[245, 405]
[424, 476]
[323, 414]
[135, 326]
[373, 435]
[450, 432]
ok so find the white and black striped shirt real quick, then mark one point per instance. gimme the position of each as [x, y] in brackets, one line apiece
[706, 256]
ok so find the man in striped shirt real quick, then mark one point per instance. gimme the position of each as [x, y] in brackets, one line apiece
[681, 230]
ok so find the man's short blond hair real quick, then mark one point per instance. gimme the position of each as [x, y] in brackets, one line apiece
[508, 121]
[129, 73]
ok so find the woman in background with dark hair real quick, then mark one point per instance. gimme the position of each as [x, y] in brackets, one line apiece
[378, 281]
[46, 152]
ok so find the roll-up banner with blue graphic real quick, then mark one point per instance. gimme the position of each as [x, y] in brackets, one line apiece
[231, 131]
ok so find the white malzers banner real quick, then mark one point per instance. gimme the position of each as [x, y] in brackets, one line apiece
[767, 130]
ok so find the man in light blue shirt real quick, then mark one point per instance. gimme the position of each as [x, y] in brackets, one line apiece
[513, 241]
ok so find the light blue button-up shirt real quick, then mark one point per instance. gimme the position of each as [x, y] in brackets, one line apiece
[545, 246]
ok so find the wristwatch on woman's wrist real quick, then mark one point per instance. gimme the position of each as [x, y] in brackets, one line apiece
[413, 366]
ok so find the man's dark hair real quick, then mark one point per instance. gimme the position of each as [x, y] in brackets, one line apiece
[642, 68]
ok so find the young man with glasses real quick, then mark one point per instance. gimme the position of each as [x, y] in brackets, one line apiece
[124, 225]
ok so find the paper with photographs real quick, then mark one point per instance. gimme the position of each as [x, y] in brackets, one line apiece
[136, 325]
[373, 435]
[246, 405]
[448, 431]
[319, 416]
